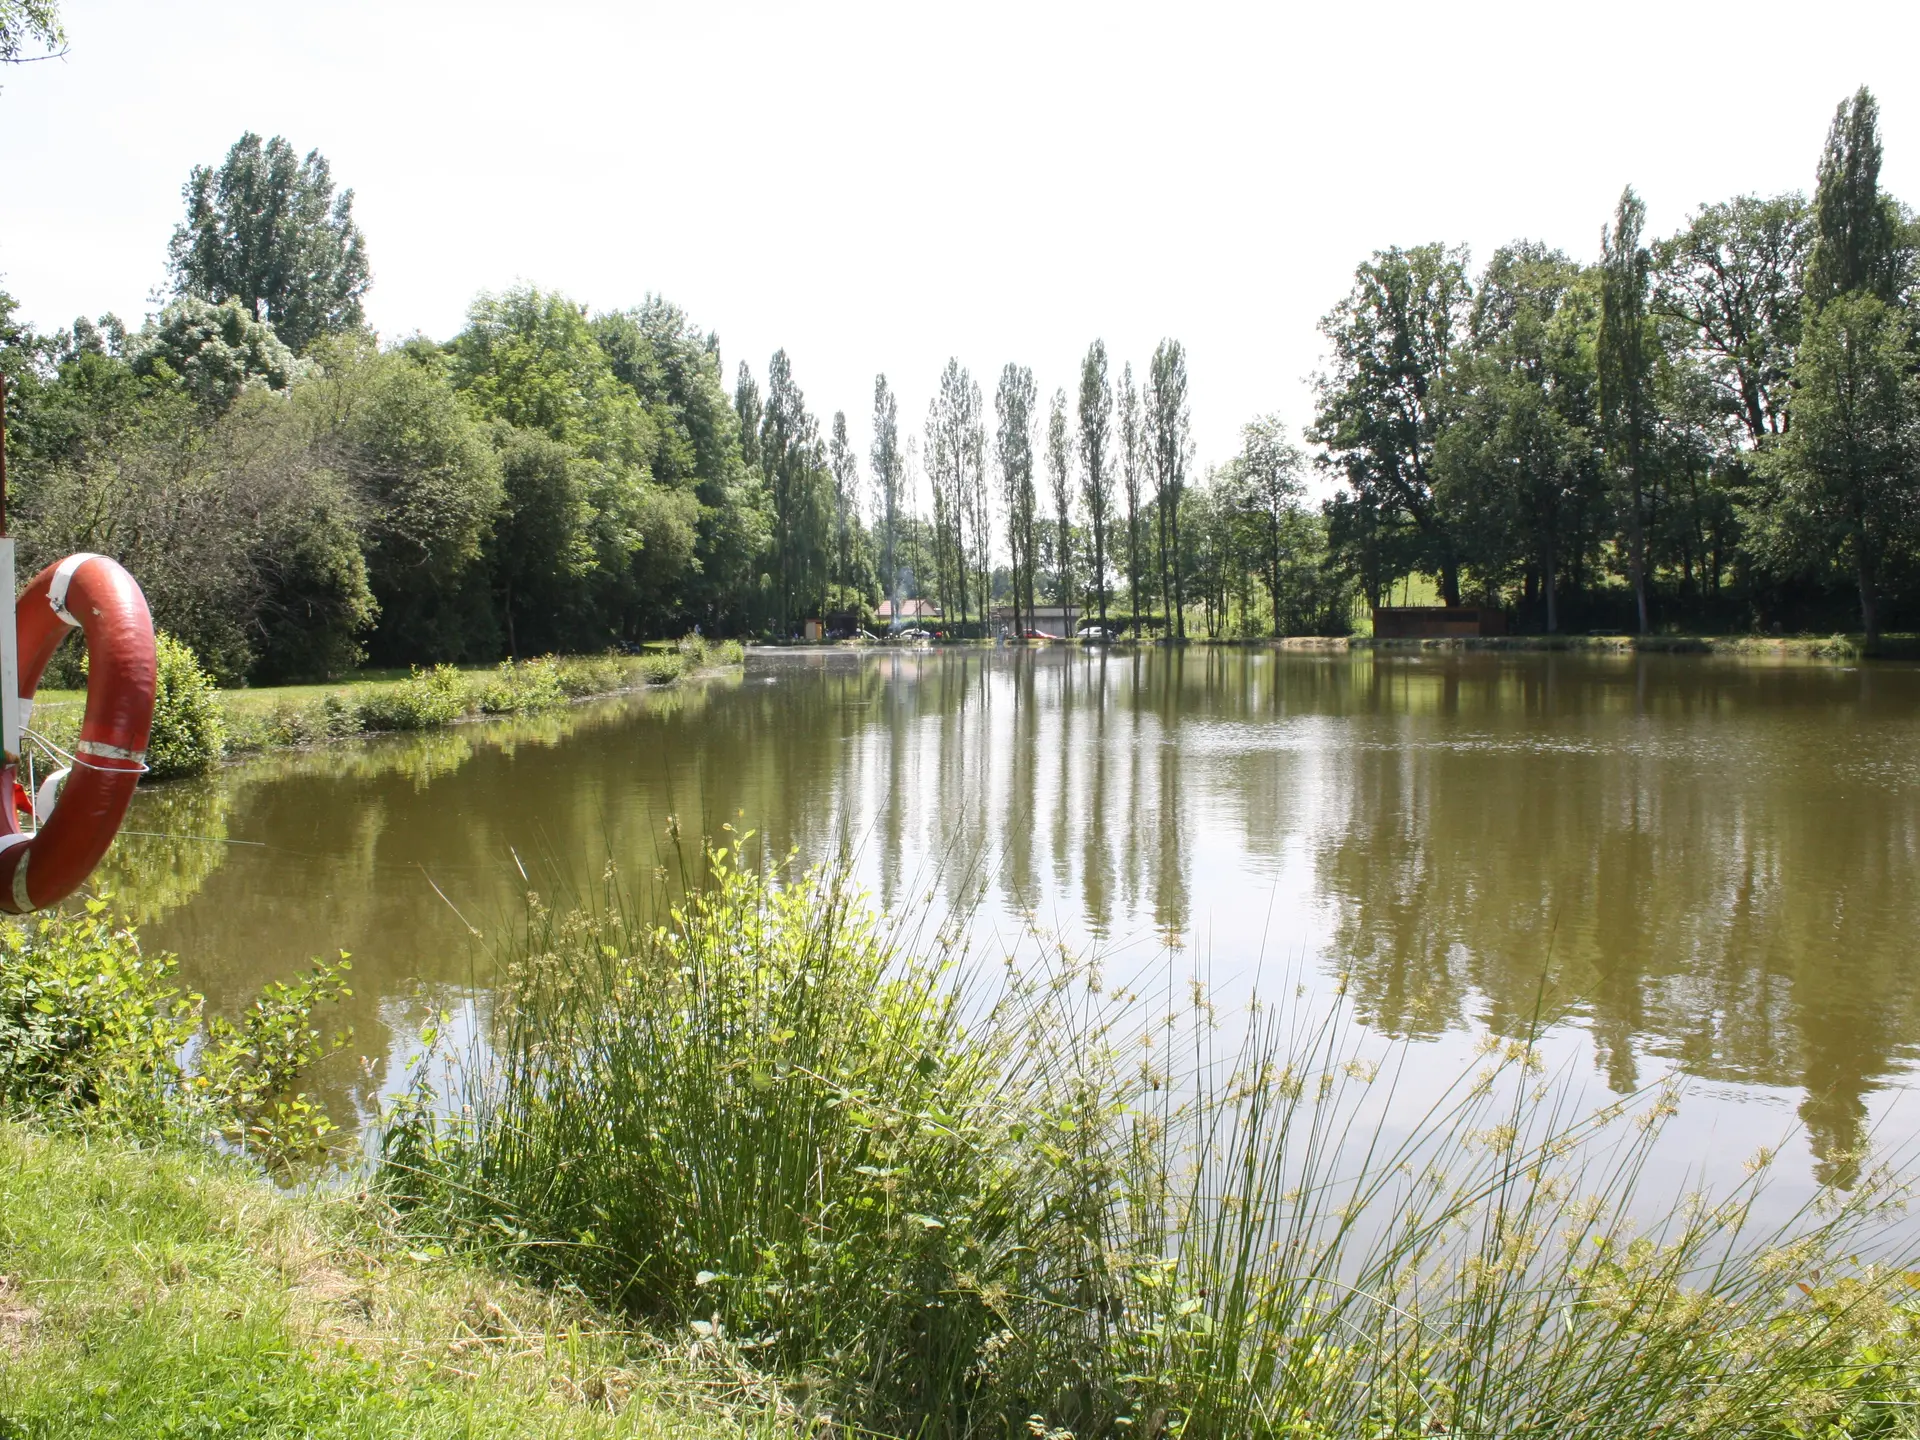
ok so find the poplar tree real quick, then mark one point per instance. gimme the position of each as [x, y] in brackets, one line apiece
[1133, 469]
[1625, 353]
[889, 473]
[1169, 442]
[1848, 474]
[1059, 472]
[1014, 405]
[846, 498]
[1856, 228]
[789, 445]
[1096, 469]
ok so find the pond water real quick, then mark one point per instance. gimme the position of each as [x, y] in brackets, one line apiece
[1680, 862]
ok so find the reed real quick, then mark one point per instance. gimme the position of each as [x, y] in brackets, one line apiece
[942, 1198]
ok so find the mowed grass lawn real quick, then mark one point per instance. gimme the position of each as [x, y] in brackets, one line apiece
[153, 1293]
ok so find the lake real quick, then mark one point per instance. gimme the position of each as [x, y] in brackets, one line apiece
[1674, 863]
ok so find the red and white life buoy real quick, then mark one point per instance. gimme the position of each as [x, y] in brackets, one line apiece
[42, 867]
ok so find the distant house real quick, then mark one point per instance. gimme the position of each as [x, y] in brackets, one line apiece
[912, 612]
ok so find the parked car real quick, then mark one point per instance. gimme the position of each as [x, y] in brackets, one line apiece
[1094, 632]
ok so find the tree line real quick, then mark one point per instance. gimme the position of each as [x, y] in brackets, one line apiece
[1716, 429]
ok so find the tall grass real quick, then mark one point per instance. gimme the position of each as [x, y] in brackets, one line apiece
[944, 1199]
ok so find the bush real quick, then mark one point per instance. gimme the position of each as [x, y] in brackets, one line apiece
[189, 731]
[427, 698]
[515, 688]
[90, 1023]
[662, 669]
[581, 675]
[947, 1214]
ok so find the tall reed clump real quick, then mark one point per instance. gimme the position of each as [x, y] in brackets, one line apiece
[938, 1199]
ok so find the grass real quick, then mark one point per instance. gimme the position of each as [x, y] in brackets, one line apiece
[279, 717]
[939, 1201]
[158, 1293]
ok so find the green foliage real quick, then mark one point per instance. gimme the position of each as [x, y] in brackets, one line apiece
[36, 21]
[246, 1070]
[425, 699]
[92, 1027]
[189, 732]
[1382, 407]
[214, 352]
[430, 484]
[87, 1018]
[1846, 488]
[1034, 1208]
[519, 686]
[265, 232]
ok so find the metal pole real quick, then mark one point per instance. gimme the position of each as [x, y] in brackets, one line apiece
[10, 718]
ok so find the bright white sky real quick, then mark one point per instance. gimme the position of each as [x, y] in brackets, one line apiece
[879, 187]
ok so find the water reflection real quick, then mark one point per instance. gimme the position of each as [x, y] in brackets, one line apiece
[1698, 862]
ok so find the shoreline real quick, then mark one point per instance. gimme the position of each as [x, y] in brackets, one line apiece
[1840, 647]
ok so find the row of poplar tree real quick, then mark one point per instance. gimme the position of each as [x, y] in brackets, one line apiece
[1716, 429]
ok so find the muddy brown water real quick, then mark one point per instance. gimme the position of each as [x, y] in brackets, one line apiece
[1688, 864]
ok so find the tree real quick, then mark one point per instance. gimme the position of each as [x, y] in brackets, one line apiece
[1059, 476]
[1856, 228]
[429, 484]
[1515, 469]
[1273, 469]
[1733, 278]
[791, 460]
[1169, 443]
[1096, 426]
[1133, 471]
[674, 370]
[1383, 406]
[956, 461]
[1626, 352]
[846, 499]
[1014, 407]
[889, 477]
[30, 22]
[1848, 471]
[540, 547]
[267, 230]
[214, 352]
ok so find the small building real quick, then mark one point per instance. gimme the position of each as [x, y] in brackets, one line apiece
[912, 612]
[1437, 622]
[1059, 621]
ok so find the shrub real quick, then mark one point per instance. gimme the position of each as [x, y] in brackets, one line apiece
[189, 731]
[515, 688]
[425, 699]
[581, 675]
[86, 1018]
[89, 1022]
[951, 1214]
[663, 669]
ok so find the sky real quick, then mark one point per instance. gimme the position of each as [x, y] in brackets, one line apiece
[879, 187]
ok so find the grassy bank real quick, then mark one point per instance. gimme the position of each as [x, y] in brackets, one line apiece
[253, 720]
[939, 1200]
[161, 1293]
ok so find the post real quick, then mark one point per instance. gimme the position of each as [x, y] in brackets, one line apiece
[9, 637]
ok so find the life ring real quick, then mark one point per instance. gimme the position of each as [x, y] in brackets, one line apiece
[43, 866]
